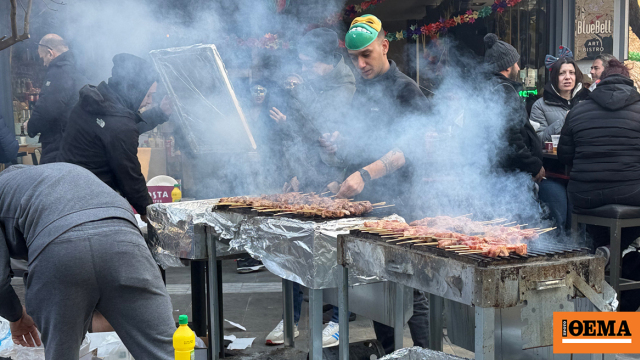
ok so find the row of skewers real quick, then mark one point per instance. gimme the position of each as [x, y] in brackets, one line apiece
[302, 204]
[492, 239]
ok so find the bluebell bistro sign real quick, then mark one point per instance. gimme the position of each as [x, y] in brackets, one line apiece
[593, 28]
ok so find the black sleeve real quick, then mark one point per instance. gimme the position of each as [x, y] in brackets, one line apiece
[10, 307]
[122, 149]
[152, 118]
[52, 105]
[521, 157]
[412, 100]
[566, 146]
[414, 107]
[8, 143]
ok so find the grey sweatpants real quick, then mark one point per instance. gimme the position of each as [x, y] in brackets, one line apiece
[103, 265]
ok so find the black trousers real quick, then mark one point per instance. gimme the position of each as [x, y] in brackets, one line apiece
[621, 195]
[418, 325]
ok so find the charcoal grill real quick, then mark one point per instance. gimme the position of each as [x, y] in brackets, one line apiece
[538, 250]
[541, 282]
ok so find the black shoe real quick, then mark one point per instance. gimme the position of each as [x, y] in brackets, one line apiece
[352, 317]
[248, 265]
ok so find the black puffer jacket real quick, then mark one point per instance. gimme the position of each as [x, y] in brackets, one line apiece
[525, 150]
[58, 96]
[601, 137]
[102, 133]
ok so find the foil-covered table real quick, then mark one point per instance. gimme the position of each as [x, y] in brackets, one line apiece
[298, 250]
[178, 231]
[418, 353]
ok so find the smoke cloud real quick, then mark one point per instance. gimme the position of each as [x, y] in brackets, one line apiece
[461, 136]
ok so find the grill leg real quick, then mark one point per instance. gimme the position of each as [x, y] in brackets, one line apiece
[287, 297]
[343, 307]
[198, 298]
[315, 324]
[436, 304]
[485, 333]
[575, 234]
[214, 316]
[398, 316]
[614, 270]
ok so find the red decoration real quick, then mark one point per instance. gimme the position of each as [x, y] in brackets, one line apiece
[500, 10]
[280, 5]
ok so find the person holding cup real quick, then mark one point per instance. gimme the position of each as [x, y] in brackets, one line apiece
[547, 117]
[560, 95]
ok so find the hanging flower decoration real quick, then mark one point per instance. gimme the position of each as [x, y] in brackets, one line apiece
[442, 26]
[351, 11]
[484, 12]
[279, 5]
[499, 6]
[269, 41]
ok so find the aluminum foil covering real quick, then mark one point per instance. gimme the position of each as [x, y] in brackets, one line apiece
[303, 251]
[418, 353]
[177, 235]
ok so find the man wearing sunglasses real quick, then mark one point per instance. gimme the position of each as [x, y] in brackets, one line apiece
[58, 95]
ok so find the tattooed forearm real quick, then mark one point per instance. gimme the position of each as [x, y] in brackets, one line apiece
[392, 161]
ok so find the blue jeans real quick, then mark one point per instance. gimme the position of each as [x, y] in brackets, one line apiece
[554, 194]
[297, 305]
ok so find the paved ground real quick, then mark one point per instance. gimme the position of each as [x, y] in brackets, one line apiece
[254, 301]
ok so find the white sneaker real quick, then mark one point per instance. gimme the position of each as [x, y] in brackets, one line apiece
[276, 336]
[330, 335]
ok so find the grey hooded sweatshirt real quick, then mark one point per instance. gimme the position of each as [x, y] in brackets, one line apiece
[40, 203]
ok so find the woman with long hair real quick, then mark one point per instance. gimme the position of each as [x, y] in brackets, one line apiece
[560, 95]
[547, 116]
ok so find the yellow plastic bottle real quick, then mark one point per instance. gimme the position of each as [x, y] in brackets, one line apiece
[184, 340]
[176, 194]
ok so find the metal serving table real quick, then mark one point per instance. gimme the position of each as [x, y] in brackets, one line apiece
[296, 249]
[304, 250]
[540, 282]
[181, 235]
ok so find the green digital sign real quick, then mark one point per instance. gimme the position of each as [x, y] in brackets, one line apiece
[529, 93]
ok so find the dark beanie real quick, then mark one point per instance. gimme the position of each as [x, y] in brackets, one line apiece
[499, 55]
[319, 44]
[131, 78]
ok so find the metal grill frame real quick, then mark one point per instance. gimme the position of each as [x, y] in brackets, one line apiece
[465, 281]
[535, 252]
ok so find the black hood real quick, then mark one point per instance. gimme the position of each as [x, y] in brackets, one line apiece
[131, 78]
[551, 96]
[102, 100]
[615, 92]
[65, 59]
[499, 78]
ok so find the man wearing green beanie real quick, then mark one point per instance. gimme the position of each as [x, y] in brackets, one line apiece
[378, 140]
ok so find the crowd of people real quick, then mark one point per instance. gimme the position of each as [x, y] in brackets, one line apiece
[328, 126]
